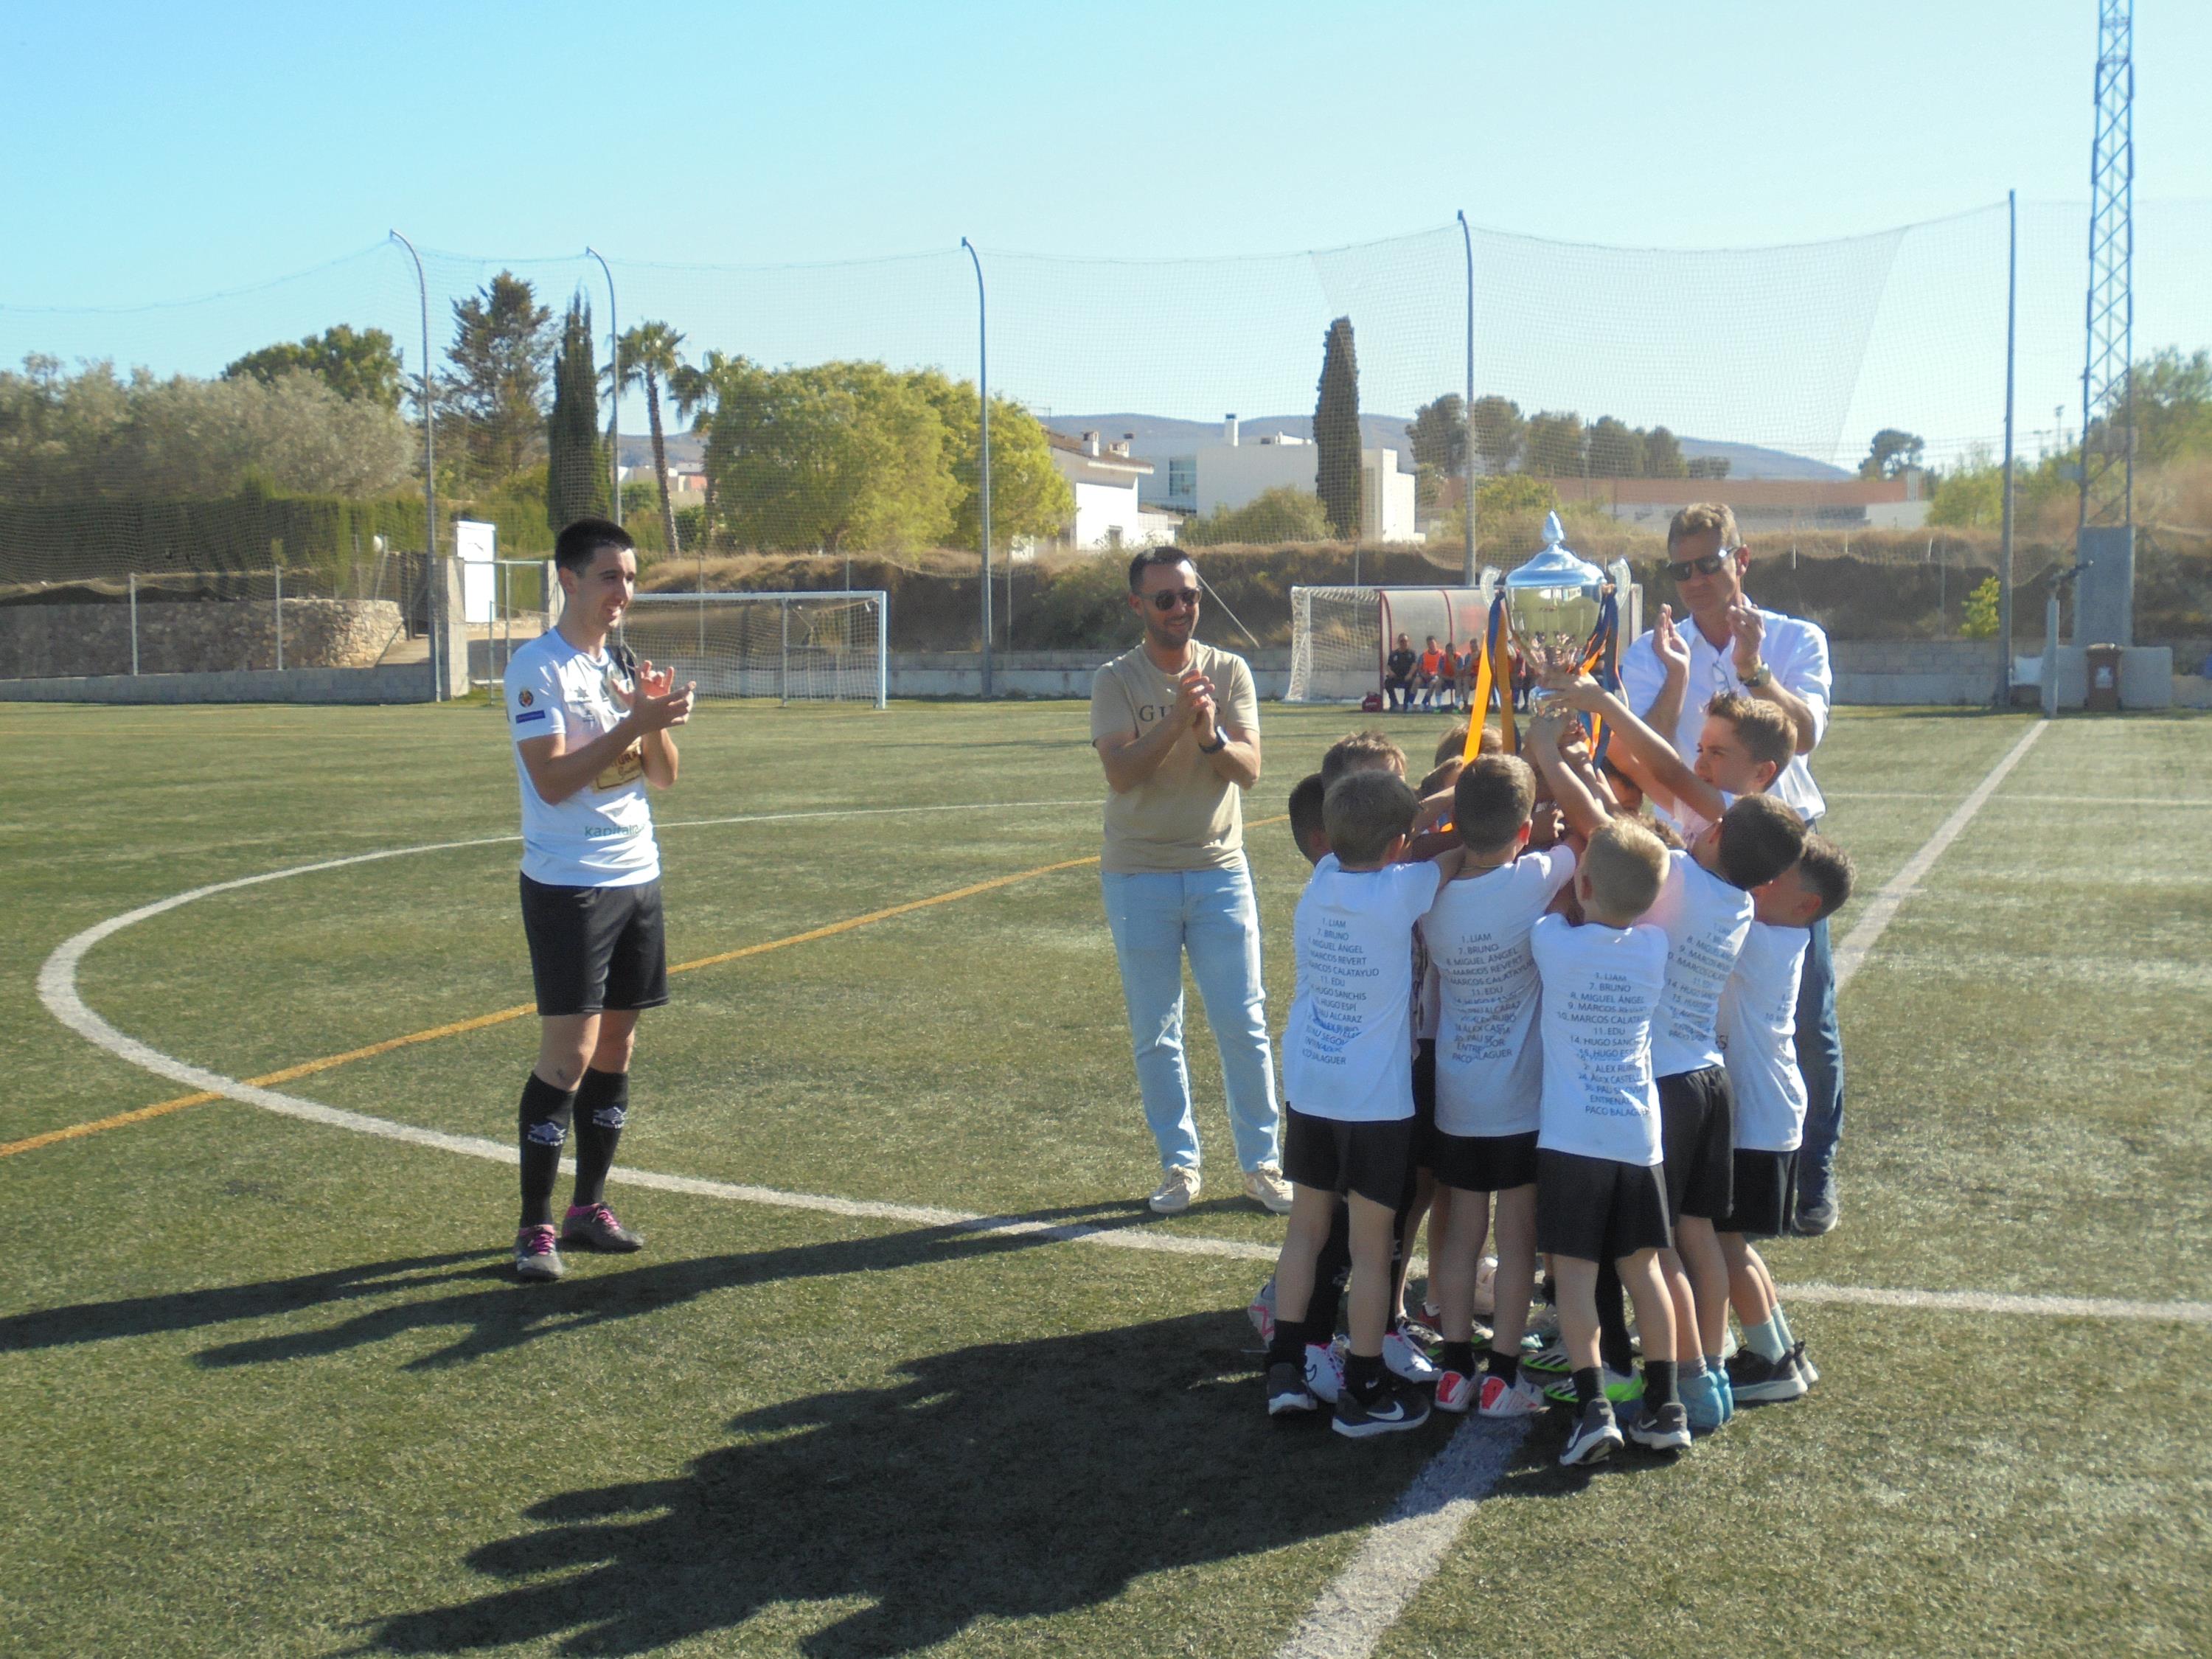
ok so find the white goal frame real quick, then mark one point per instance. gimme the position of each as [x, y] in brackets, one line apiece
[788, 669]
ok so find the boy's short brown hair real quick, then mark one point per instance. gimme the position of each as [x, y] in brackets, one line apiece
[1369, 748]
[1305, 811]
[1761, 838]
[1699, 518]
[1491, 801]
[1765, 732]
[1364, 811]
[1626, 865]
[1825, 869]
[1453, 744]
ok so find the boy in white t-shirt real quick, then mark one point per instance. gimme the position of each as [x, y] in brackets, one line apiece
[1489, 1077]
[1759, 1017]
[1599, 1195]
[1348, 1071]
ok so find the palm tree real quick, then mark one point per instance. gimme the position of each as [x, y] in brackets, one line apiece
[693, 391]
[648, 357]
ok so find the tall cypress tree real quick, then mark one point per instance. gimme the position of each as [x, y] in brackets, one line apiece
[575, 464]
[1336, 432]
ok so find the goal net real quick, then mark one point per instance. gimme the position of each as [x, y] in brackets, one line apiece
[1339, 635]
[792, 647]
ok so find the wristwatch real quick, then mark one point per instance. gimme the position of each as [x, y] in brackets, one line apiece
[1758, 676]
[1220, 742]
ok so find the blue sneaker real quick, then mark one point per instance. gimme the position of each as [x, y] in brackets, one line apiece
[1702, 1398]
[1728, 1392]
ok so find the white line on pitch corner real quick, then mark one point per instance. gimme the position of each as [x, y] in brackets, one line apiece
[1367, 1597]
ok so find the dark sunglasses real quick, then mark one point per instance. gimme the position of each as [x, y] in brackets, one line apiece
[1168, 597]
[1682, 569]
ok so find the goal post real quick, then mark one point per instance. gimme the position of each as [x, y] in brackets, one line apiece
[832, 645]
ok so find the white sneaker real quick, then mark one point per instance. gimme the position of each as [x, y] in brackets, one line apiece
[1400, 1354]
[1173, 1196]
[1518, 1398]
[1324, 1372]
[1266, 1187]
[1260, 1311]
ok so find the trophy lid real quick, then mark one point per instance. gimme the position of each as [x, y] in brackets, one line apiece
[1556, 566]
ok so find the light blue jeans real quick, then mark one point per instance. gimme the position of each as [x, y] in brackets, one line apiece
[1211, 914]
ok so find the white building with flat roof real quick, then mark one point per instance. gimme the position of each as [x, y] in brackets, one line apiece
[1105, 479]
[1231, 475]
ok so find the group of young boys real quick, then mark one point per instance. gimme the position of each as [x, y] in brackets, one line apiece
[1561, 1025]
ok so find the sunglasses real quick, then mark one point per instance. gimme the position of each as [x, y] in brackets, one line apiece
[1168, 599]
[1682, 570]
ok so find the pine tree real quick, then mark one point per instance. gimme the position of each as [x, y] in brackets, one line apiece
[575, 469]
[1336, 432]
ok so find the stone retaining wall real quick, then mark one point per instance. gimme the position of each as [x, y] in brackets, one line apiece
[41, 642]
[392, 683]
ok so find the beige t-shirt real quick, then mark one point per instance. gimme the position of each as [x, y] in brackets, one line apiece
[1185, 815]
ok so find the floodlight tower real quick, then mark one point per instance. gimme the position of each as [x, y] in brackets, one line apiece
[2108, 461]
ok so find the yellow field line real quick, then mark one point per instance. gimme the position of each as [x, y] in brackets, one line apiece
[460, 1027]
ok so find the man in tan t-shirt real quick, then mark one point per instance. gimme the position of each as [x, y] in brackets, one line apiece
[1176, 725]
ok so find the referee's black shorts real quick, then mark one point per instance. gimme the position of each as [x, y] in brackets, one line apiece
[595, 949]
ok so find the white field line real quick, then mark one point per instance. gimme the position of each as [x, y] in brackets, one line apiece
[2085, 800]
[1399, 1556]
[1878, 914]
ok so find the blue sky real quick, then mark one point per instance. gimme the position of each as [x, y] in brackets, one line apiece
[161, 153]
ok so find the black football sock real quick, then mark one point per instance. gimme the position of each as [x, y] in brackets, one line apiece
[1587, 1387]
[1288, 1345]
[1459, 1356]
[544, 1119]
[1332, 1269]
[1658, 1384]
[602, 1105]
[1507, 1365]
[1613, 1320]
[1363, 1371]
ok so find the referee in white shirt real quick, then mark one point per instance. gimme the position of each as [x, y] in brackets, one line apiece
[1734, 645]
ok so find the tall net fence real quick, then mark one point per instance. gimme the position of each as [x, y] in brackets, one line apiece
[815, 426]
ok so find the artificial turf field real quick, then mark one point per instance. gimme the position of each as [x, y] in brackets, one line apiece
[270, 1389]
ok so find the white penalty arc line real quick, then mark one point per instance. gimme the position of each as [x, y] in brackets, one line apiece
[1403, 1553]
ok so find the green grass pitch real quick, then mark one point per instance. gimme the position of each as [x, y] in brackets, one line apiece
[269, 1389]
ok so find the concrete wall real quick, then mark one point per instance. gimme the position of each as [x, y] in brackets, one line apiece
[1040, 674]
[397, 682]
[190, 636]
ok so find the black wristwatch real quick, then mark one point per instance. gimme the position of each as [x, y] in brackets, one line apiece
[1220, 742]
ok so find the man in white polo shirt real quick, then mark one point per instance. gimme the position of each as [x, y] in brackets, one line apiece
[1732, 644]
[591, 729]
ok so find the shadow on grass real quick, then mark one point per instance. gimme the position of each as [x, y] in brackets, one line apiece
[473, 1293]
[1010, 1481]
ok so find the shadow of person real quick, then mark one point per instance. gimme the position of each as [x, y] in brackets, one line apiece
[472, 1294]
[1015, 1479]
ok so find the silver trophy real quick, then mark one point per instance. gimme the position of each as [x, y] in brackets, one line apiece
[1551, 604]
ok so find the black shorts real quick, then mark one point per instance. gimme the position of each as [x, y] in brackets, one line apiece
[1697, 1138]
[1333, 1156]
[1595, 1210]
[593, 949]
[1424, 1104]
[1484, 1164]
[1765, 1195]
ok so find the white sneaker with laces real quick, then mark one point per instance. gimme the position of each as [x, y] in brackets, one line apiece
[1400, 1354]
[1324, 1372]
[1266, 1187]
[1174, 1195]
[1519, 1398]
